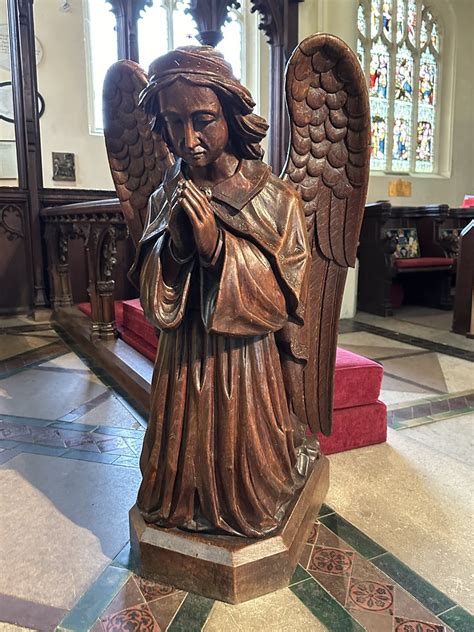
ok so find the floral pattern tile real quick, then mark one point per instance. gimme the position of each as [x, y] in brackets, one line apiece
[370, 595]
[333, 561]
[135, 619]
[412, 625]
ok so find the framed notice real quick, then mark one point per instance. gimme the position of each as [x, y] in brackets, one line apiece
[8, 163]
[5, 48]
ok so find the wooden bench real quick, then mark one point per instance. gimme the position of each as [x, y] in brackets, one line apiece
[390, 271]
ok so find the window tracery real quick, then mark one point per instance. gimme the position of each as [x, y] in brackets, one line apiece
[162, 26]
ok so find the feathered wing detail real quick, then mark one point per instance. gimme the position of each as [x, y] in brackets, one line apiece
[328, 164]
[138, 157]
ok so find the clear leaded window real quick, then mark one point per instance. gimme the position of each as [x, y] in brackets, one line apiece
[166, 25]
[161, 27]
[399, 49]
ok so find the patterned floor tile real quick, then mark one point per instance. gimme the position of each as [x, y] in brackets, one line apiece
[336, 585]
[153, 590]
[414, 625]
[370, 596]
[164, 609]
[137, 618]
[332, 561]
[128, 596]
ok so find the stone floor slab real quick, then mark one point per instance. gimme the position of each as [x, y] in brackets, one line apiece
[63, 520]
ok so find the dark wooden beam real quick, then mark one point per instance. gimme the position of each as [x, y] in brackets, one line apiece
[279, 22]
[28, 142]
[127, 14]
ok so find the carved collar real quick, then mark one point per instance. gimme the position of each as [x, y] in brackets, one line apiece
[236, 191]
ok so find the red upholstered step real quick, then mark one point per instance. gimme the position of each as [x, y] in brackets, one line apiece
[356, 427]
[134, 322]
[424, 262]
[357, 380]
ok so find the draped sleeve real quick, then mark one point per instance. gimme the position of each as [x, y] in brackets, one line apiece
[259, 280]
[240, 296]
[164, 305]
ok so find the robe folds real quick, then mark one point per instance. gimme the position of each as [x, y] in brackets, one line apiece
[222, 452]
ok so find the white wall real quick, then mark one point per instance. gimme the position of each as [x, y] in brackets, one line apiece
[62, 80]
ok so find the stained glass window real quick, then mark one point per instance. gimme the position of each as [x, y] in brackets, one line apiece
[387, 17]
[411, 20]
[379, 71]
[400, 54]
[361, 20]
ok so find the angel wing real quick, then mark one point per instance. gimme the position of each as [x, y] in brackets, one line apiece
[328, 164]
[138, 157]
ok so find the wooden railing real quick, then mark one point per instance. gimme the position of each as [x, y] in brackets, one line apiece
[101, 225]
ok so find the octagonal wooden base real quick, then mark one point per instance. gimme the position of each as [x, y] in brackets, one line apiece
[229, 568]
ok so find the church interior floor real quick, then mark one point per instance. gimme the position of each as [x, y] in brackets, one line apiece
[391, 550]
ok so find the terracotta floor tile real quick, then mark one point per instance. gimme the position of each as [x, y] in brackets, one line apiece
[137, 618]
[165, 608]
[128, 596]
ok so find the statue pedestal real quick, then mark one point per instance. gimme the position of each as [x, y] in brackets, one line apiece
[229, 568]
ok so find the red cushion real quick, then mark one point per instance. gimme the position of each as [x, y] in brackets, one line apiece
[356, 427]
[140, 345]
[134, 321]
[357, 380]
[423, 262]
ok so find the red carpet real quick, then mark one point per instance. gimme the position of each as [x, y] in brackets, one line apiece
[359, 418]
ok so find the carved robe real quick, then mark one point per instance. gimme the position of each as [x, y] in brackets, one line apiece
[222, 452]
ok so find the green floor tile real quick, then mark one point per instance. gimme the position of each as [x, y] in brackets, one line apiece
[325, 510]
[125, 559]
[325, 608]
[72, 425]
[33, 448]
[128, 461]
[299, 575]
[428, 595]
[7, 444]
[91, 605]
[26, 421]
[192, 614]
[459, 619]
[131, 433]
[350, 534]
[84, 455]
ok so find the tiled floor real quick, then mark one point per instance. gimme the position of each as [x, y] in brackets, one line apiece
[388, 553]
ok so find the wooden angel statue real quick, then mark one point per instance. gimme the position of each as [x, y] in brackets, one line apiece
[242, 272]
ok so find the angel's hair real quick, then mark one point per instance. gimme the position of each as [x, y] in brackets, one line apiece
[246, 129]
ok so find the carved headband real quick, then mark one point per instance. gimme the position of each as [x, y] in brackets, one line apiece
[202, 62]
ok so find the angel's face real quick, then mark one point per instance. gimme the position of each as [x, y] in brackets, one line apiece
[195, 122]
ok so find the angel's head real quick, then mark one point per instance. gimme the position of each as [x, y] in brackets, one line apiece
[200, 109]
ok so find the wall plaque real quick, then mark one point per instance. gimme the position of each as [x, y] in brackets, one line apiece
[64, 167]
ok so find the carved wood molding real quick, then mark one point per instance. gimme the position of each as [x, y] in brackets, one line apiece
[210, 16]
[127, 14]
[11, 222]
[271, 14]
